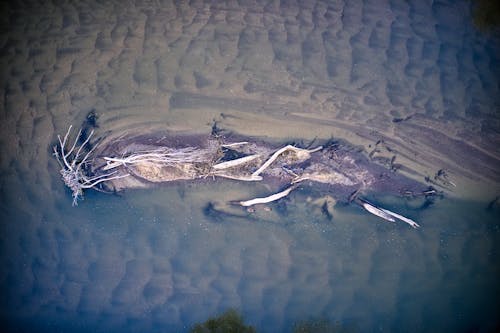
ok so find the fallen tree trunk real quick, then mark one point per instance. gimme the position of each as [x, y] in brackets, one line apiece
[142, 160]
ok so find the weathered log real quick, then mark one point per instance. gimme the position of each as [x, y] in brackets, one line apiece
[141, 160]
[268, 199]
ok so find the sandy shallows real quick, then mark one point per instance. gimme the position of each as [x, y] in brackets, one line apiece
[417, 76]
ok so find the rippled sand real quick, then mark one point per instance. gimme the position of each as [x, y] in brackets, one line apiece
[415, 76]
[418, 76]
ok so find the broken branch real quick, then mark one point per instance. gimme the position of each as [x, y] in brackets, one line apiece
[270, 198]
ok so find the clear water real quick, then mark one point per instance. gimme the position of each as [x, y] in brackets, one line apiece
[152, 261]
[158, 260]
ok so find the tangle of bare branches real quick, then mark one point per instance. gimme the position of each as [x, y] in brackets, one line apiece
[73, 161]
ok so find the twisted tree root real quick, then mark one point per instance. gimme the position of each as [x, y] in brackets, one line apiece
[71, 166]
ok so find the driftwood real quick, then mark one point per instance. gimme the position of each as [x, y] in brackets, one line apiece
[302, 154]
[386, 214]
[243, 161]
[235, 163]
[164, 156]
[268, 199]
[377, 211]
[72, 166]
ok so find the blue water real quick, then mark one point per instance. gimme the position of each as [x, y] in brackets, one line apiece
[150, 261]
[159, 260]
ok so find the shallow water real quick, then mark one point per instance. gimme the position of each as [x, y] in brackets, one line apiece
[153, 261]
[416, 75]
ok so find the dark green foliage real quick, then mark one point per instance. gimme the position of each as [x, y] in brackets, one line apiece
[487, 14]
[228, 322]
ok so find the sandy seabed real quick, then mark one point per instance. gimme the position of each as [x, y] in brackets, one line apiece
[415, 76]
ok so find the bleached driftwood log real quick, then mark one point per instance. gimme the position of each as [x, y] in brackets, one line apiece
[302, 154]
[163, 156]
[268, 199]
[387, 214]
[235, 163]
[154, 163]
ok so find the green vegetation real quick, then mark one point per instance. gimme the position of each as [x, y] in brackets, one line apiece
[228, 322]
[232, 322]
[321, 326]
[487, 14]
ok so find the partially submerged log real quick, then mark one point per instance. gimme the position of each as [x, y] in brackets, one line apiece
[142, 160]
[386, 214]
[271, 198]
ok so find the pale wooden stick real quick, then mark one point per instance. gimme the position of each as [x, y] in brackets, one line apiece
[377, 211]
[250, 178]
[387, 214]
[104, 180]
[402, 218]
[281, 151]
[62, 144]
[270, 198]
[271, 160]
[75, 159]
[236, 162]
[299, 179]
[74, 143]
[235, 144]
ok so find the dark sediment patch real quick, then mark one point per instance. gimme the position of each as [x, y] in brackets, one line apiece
[201, 80]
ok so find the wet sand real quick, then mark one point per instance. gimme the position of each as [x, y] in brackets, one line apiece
[416, 77]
